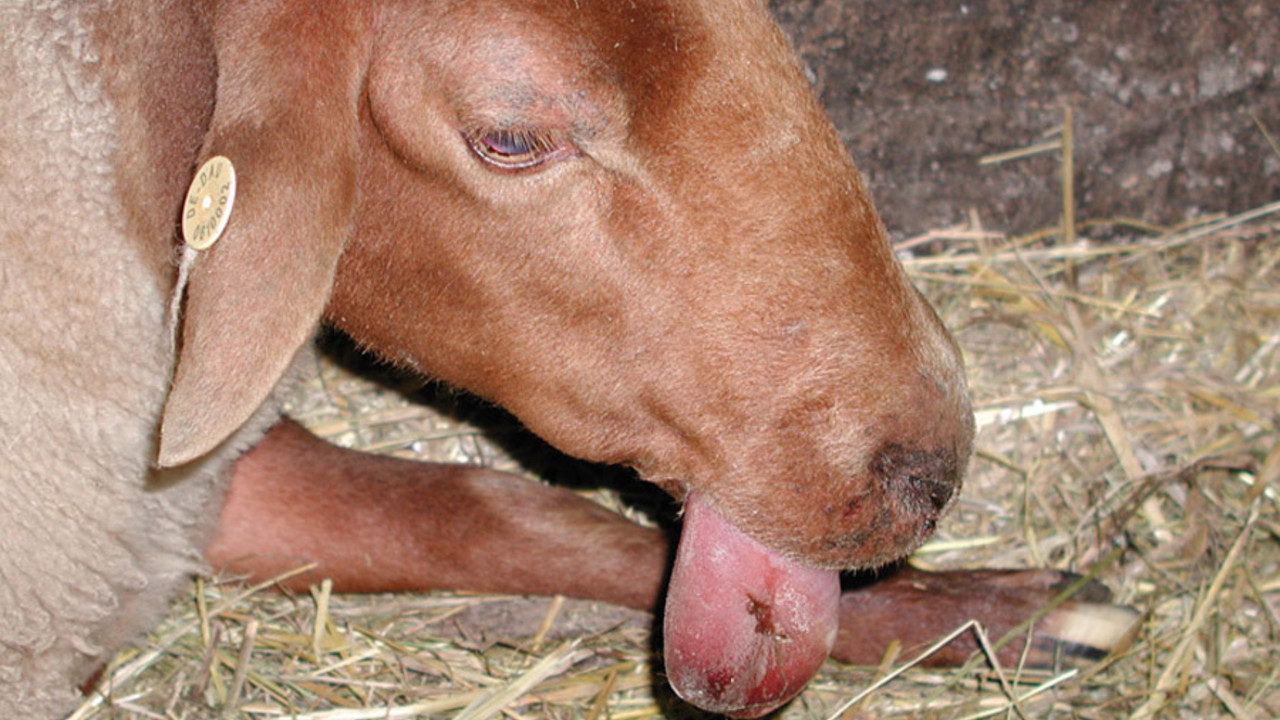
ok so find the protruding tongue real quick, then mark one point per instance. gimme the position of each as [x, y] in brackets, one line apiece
[745, 628]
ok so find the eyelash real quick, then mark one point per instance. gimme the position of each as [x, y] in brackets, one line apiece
[514, 148]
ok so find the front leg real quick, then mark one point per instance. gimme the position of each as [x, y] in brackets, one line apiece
[374, 524]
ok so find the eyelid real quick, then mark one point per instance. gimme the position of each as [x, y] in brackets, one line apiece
[515, 148]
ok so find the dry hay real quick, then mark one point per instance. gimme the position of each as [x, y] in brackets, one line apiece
[1126, 383]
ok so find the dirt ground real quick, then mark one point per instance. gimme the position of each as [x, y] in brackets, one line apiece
[1161, 92]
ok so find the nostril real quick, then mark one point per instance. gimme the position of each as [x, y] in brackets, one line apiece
[928, 477]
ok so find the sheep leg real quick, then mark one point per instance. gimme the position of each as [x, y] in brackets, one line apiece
[377, 524]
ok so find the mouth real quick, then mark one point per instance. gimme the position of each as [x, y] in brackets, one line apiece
[745, 627]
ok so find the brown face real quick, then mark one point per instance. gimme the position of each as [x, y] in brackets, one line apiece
[632, 225]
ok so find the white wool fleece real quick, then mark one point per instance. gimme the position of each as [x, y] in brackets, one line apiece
[93, 541]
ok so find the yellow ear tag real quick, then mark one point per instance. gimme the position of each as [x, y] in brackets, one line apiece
[209, 201]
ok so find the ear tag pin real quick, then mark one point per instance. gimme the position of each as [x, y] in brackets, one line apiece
[209, 201]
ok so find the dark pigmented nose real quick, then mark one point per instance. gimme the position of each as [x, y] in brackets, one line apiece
[926, 480]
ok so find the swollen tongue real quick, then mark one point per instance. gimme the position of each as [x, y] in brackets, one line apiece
[745, 628]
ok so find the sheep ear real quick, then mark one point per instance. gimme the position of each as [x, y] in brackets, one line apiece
[286, 114]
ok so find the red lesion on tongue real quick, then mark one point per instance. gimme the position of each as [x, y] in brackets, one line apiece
[763, 613]
[745, 628]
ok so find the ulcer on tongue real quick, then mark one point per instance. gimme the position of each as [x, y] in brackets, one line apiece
[745, 628]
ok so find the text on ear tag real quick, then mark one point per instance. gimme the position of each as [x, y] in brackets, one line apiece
[209, 201]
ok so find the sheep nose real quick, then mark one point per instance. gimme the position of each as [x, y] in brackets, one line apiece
[926, 480]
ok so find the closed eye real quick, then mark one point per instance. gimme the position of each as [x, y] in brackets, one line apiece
[515, 148]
